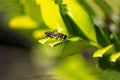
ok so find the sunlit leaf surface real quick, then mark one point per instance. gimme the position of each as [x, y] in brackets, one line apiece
[23, 22]
[114, 57]
[102, 51]
[81, 18]
[51, 15]
[68, 47]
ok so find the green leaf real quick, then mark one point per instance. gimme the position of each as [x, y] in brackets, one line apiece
[23, 22]
[116, 41]
[72, 27]
[75, 47]
[104, 6]
[43, 41]
[102, 36]
[87, 7]
[51, 15]
[114, 57]
[53, 42]
[102, 51]
[70, 46]
[40, 33]
[50, 42]
[81, 18]
[32, 9]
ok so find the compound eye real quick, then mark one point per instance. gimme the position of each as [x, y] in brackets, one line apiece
[65, 36]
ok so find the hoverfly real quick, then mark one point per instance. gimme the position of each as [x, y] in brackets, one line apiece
[55, 34]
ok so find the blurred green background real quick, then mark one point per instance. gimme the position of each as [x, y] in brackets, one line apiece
[20, 51]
